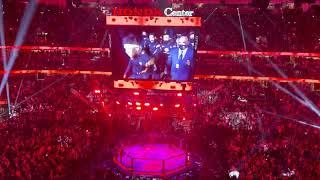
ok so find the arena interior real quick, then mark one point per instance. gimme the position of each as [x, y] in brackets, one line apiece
[160, 89]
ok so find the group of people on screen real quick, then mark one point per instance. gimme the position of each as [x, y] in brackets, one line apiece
[163, 58]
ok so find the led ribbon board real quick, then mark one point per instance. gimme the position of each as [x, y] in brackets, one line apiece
[153, 21]
[159, 85]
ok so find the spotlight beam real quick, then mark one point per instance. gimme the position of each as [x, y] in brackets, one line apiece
[262, 138]
[268, 18]
[38, 92]
[210, 15]
[4, 54]
[311, 105]
[18, 94]
[292, 119]
[105, 35]
[286, 91]
[242, 33]
[244, 41]
[296, 89]
[8, 98]
[41, 90]
[302, 98]
[21, 83]
[24, 25]
[283, 89]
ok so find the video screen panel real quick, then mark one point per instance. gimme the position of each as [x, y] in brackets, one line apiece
[154, 53]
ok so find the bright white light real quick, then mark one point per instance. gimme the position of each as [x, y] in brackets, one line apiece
[234, 173]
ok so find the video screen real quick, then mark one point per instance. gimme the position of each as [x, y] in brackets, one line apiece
[154, 53]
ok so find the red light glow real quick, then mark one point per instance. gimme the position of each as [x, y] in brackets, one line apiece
[138, 108]
[138, 104]
[155, 109]
[136, 93]
[177, 105]
[97, 91]
[146, 104]
[130, 103]
[161, 105]
[179, 94]
[117, 102]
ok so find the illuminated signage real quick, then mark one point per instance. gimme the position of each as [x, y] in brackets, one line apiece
[150, 12]
[171, 12]
[136, 12]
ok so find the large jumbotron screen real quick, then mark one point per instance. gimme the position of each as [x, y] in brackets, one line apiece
[154, 53]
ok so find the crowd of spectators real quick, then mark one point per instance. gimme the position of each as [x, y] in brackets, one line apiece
[279, 29]
[293, 67]
[65, 131]
[51, 132]
[257, 130]
[276, 29]
[55, 26]
[63, 60]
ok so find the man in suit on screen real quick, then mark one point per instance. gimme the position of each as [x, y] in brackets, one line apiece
[181, 60]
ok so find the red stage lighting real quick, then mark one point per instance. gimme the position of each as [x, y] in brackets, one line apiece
[130, 103]
[177, 105]
[117, 102]
[155, 109]
[146, 104]
[138, 108]
[161, 105]
[136, 93]
[138, 104]
[97, 91]
[179, 94]
[194, 105]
